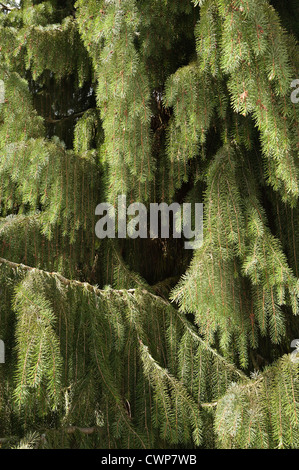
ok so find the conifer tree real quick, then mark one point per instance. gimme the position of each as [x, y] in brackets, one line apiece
[139, 343]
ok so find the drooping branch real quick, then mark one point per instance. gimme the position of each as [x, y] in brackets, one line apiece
[50, 120]
[69, 430]
[101, 292]
[7, 8]
[62, 279]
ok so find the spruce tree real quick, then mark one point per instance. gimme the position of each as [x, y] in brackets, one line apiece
[139, 343]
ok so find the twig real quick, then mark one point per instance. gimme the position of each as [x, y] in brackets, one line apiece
[3, 440]
[5, 7]
[54, 121]
[87, 431]
[209, 405]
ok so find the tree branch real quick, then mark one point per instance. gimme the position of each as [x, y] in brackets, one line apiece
[209, 405]
[100, 292]
[64, 280]
[5, 7]
[54, 121]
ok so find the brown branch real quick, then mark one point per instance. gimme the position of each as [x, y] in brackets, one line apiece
[3, 440]
[209, 405]
[87, 431]
[5, 7]
[69, 430]
[50, 120]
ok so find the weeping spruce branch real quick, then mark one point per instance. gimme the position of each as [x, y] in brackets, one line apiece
[35, 309]
[174, 399]
[99, 292]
